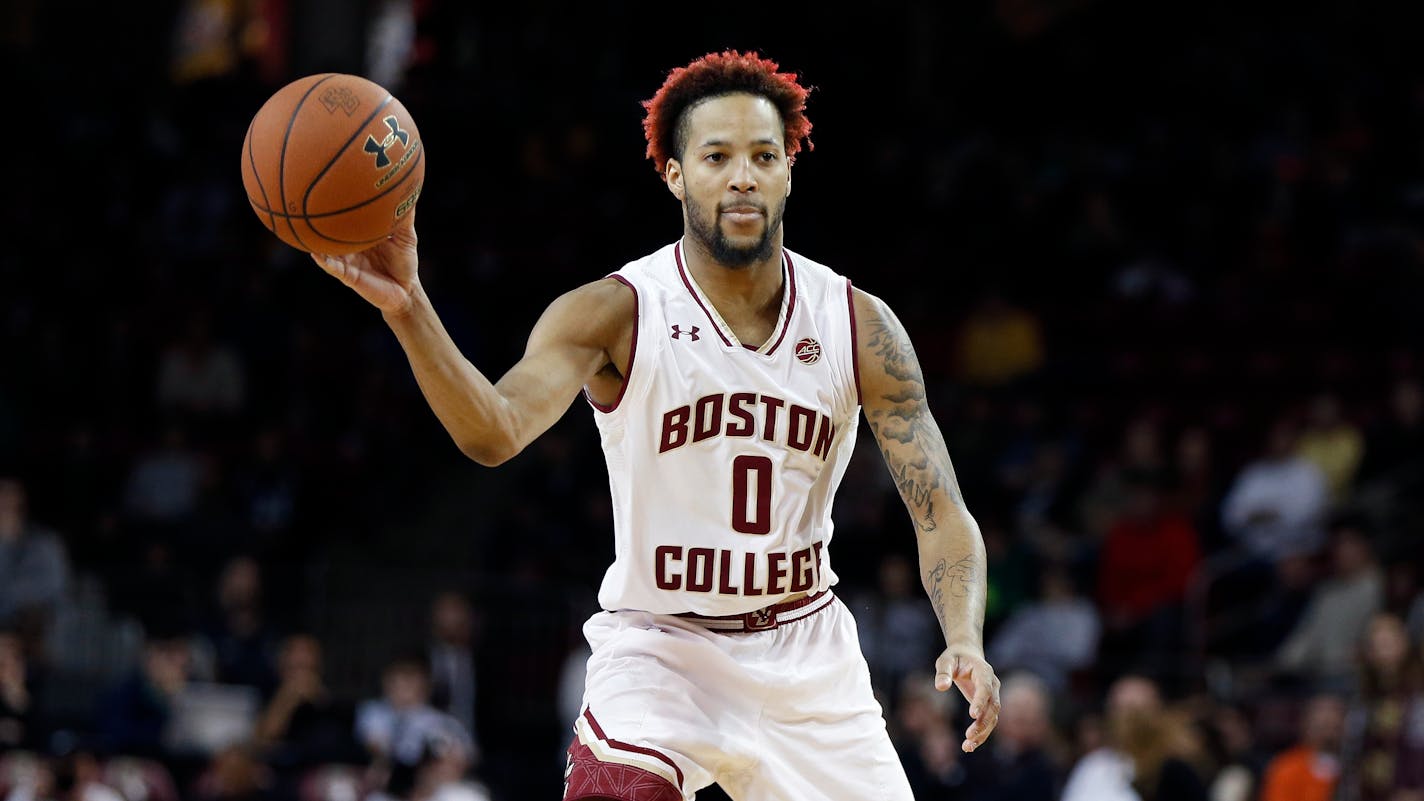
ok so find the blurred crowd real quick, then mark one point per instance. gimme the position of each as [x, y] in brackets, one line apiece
[1162, 269]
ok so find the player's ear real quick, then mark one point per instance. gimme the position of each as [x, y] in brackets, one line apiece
[672, 173]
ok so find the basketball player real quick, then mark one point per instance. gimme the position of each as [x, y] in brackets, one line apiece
[726, 375]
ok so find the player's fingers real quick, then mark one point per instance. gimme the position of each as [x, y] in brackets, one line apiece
[338, 269]
[945, 668]
[983, 698]
[330, 264]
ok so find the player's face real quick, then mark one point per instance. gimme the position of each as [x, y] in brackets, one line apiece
[733, 178]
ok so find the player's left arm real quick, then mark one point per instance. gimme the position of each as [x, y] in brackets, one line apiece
[952, 560]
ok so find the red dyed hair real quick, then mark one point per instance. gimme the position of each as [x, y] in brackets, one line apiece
[719, 74]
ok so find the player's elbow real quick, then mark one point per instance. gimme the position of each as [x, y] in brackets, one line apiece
[489, 453]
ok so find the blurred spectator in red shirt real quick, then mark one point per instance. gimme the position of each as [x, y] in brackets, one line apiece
[1145, 565]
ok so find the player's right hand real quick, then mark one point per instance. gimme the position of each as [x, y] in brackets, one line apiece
[385, 275]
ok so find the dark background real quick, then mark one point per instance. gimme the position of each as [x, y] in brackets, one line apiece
[1207, 215]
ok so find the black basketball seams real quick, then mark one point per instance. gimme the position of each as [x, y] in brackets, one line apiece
[282, 159]
[360, 129]
[257, 176]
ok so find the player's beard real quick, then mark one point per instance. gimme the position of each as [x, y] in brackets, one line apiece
[709, 232]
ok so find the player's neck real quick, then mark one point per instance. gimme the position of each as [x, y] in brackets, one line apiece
[736, 290]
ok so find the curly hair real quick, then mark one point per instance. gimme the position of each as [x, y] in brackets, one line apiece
[714, 75]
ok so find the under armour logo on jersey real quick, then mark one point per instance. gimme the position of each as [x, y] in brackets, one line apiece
[677, 332]
[808, 351]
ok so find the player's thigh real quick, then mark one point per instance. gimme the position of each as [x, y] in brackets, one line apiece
[661, 706]
[850, 759]
[824, 736]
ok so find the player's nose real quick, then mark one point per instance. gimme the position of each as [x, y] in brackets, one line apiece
[742, 177]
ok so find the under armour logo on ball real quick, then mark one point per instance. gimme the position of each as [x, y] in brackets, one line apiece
[378, 149]
[677, 332]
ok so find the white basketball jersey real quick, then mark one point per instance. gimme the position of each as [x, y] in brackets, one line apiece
[723, 458]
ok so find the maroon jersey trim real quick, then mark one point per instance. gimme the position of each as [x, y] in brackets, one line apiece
[790, 302]
[632, 353]
[854, 341]
[637, 749]
[682, 272]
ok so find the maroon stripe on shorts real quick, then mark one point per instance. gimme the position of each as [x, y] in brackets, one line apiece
[637, 749]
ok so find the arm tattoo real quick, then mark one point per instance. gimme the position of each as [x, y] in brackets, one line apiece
[953, 580]
[907, 432]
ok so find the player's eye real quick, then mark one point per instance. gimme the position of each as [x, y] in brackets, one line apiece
[767, 156]
[714, 158]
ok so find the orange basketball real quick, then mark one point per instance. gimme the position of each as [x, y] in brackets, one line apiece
[332, 163]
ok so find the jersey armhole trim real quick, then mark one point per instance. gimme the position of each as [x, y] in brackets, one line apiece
[632, 353]
[854, 341]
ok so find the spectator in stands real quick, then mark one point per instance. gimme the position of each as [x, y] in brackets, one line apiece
[997, 343]
[1309, 771]
[452, 658]
[440, 775]
[163, 485]
[896, 629]
[1146, 562]
[74, 776]
[1198, 486]
[1051, 637]
[17, 695]
[244, 645]
[398, 726]
[1018, 766]
[1276, 505]
[302, 724]
[1227, 756]
[1383, 756]
[1141, 451]
[235, 774]
[34, 569]
[1323, 645]
[1332, 443]
[1142, 759]
[1394, 449]
[925, 742]
[132, 716]
[198, 376]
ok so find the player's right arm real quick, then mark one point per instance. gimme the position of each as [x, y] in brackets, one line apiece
[573, 342]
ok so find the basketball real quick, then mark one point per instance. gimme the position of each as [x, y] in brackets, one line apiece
[332, 163]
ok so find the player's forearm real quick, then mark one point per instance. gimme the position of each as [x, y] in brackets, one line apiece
[466, 402]
[953, 568]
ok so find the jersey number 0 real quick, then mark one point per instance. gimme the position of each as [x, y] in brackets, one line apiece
[751, 494]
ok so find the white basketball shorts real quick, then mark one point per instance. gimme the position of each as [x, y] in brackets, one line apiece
[779, 714]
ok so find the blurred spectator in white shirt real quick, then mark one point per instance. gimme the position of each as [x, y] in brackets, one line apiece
[1276, 506]
[1324, 644]
[199, 376]
[34, 568]
[1050, 637]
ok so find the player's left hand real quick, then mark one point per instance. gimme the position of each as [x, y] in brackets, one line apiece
[975, 678]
